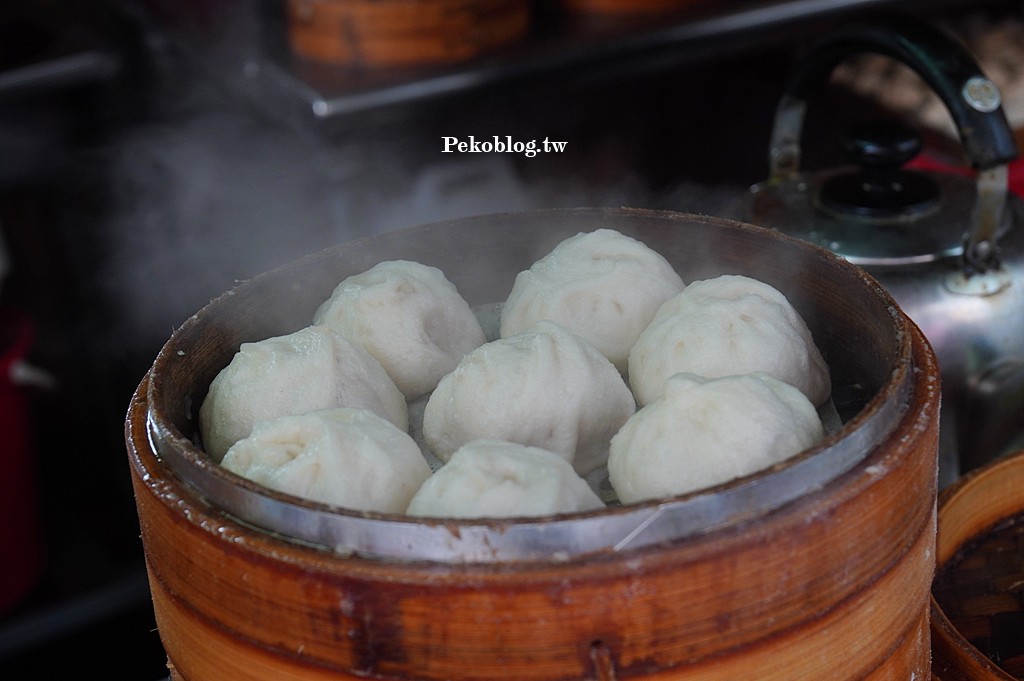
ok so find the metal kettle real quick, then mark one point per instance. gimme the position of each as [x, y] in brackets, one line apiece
[950, 248]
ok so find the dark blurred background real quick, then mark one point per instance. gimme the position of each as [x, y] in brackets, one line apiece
[153, 153]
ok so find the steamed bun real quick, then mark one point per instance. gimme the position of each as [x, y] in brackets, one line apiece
[544, 387]
[313, 368]
[409, 317]
[728, 325]
[495, 479]
[704, 432]
[603, 286]
[345, 457]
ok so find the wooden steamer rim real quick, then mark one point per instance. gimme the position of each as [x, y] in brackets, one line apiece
[564, 537]
[973, 505]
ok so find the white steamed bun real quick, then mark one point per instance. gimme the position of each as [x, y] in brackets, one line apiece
[544, 387]
[496, 479]
[350, 458]
[603, 286]
[313, 368]
[728, 325]
[407, 315]
[704, 432]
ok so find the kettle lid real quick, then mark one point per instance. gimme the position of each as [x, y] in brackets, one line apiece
[875, 211]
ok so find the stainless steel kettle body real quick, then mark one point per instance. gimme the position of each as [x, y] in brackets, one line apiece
[949, 248]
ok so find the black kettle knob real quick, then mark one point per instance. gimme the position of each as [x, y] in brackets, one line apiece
[883, 143]
[881, 188]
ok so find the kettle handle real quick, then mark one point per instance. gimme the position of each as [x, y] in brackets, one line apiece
[973, 101]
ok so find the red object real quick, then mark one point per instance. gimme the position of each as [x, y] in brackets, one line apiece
[1016, 171]
[20, 527]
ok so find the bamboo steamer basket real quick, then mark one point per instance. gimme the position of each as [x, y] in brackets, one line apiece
[630, 8]
[817, 568]
[616, 16]
[378, 34]
[969, 511]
